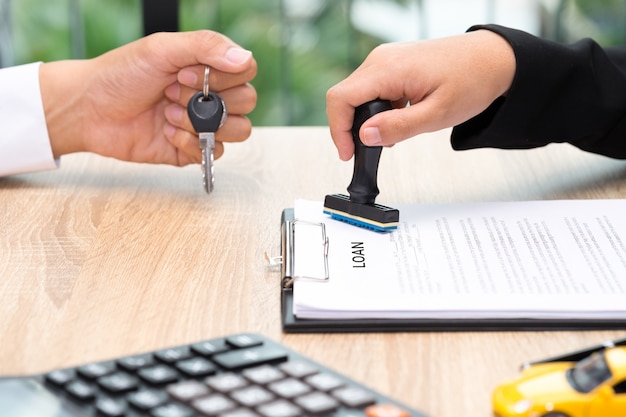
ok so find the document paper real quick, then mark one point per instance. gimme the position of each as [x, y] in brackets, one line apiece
[531, 259]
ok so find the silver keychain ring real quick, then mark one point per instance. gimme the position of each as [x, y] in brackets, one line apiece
[205, 85]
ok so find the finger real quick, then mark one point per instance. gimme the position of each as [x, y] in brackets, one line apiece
[187, 144]
[218, 80]
[239, 100]
[183, 158]
[236, 129]
[342, 99]
[177, 116]
[184, 49]
[219, 150]
[340, 114]
[185, 141]
[390, 127]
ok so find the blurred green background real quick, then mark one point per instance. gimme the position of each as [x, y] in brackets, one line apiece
[302, 46]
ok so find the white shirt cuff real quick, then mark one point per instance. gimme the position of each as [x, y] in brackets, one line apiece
[24, 141]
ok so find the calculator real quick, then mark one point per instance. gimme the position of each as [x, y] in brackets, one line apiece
[241, 375]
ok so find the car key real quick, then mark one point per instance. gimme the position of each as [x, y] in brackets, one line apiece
[207, 112]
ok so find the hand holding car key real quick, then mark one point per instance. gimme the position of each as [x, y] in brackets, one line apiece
[207, 112]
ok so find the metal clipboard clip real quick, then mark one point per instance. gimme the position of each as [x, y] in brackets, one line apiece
[304, 251]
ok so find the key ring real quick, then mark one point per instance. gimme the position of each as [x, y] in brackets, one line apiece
[205, 85]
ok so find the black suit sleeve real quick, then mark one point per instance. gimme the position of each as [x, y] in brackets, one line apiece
[560, 93]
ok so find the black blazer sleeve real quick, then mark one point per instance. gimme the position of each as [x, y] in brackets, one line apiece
[560, 93]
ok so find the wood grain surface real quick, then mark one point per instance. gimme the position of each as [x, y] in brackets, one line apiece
[102, 258]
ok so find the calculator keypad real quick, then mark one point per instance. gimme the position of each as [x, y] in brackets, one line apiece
[243, 375]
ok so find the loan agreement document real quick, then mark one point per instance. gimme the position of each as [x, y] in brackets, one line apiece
[531, 259]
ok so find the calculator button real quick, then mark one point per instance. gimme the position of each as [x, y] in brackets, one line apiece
[96, 370]
[196, 367]
[186, 391]
[133, 363]
[385, 410]
[172, 410]
[244, 358]
[147, 399]
[263, 374]
[80, 390]
[280, 408]
[118, 382]
[242, 341]
[111, 407]
[158, 374]
[354, 397]
[324, 382]
[226, 382]
[172, 355]
[213, 404]
[289, 388]
[317, 403]
[61, 377]
[210, 347]
[298, 369]
[252, 396]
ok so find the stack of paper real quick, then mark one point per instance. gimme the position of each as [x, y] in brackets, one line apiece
[534, 259]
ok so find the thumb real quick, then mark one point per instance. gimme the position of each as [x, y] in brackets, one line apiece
[203, 47]
[393, 126]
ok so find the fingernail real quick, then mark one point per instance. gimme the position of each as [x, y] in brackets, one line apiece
[237, 55]
[371, 136]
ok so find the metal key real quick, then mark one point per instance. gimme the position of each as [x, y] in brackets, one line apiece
[207, 112]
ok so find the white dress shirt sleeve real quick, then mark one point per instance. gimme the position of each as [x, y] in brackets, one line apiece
[24, 142]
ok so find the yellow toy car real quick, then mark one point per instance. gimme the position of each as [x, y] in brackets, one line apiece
[586, 383]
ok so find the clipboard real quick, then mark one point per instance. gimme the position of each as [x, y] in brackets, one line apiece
[293, 324]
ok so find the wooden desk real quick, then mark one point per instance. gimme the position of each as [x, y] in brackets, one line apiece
[103, 258]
